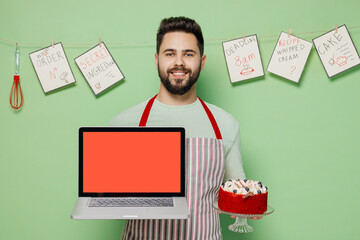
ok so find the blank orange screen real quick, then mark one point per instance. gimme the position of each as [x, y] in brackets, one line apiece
[131, 162]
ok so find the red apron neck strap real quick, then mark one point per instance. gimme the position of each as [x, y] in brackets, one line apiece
[146, 112]
[212, 120]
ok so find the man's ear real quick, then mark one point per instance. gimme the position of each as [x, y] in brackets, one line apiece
[156, 61]
[203, 61]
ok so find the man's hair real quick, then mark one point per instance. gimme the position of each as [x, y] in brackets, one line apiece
[179, 24]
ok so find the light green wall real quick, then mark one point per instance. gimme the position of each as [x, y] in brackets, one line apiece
[302, 140]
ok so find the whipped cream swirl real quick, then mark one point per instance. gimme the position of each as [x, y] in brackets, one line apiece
[245, 187]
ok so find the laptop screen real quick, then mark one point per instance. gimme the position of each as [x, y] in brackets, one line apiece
[131, 161]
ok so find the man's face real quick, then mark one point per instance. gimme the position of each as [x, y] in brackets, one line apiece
[179, 62]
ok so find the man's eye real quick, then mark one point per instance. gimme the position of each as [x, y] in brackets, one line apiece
[189, 54]
[169, 54]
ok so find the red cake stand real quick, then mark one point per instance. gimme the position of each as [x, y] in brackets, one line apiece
[240, 225]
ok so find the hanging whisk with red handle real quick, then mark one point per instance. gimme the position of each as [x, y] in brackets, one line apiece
[16, 95]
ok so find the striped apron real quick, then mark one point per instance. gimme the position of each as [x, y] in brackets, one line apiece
[204, 174]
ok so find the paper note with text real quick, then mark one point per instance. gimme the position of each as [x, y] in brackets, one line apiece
[289, 57]
[99, 68]
[52, 67]
[243, 58]
[337, 51]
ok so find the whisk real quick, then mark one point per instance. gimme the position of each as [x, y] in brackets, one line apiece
[16, 95]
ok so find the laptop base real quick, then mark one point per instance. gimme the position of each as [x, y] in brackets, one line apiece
[178, 211]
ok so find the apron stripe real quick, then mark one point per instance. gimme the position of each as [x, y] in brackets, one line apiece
[209, 200]
[156, 231]
[196, 184]
[124, 232]
[169, 229]
[189, 184]
[214, 191]
[175, 229]
[137, 235]
[146, 229]
[136, 227]
[158, 226]
[212, 216]
[162, 230]
[206, 216]
[129, 229]
[212, 167]
[196, 198]
[202, 202]
[142, 230]
[133, 229]
[151, 226]
[181, 229]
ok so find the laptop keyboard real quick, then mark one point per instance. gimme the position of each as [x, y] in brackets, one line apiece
[131, 202]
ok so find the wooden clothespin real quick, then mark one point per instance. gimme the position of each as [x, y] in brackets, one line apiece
[336, 28]
[289, 32]
[52, 43]
[244, 36]
[100, 42]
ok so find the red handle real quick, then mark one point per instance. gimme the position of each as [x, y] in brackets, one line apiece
[14, 93]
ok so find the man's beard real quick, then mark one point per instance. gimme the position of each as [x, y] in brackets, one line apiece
[178, 89]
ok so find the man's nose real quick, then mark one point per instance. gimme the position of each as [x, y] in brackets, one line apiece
[179, 61]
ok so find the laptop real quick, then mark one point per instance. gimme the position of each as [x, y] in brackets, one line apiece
[131, 173]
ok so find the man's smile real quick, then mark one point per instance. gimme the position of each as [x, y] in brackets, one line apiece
[178, 73]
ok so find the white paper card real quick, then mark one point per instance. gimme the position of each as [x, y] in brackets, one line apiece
[336, 51]
[243, 58]
[52, 67]
[99, 68]
[289, 57]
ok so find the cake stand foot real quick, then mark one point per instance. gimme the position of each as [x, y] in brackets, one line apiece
[240, 226]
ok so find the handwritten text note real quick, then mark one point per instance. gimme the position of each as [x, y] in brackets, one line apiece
[336, 51]
[243, 58]
[52, 67]
[99, 68]
[289, 57]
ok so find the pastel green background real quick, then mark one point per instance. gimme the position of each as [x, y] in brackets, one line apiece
[301, 140]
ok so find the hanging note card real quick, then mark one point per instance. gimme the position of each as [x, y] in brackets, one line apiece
[243, 58]
[99, 68]
[336, 51]
[289, 57]
[52, 67]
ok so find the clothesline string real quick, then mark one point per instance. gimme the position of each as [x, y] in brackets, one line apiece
[138, 43]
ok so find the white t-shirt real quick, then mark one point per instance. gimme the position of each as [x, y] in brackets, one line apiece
[196, 123]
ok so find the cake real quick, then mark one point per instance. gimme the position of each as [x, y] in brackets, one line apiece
[243, 197]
